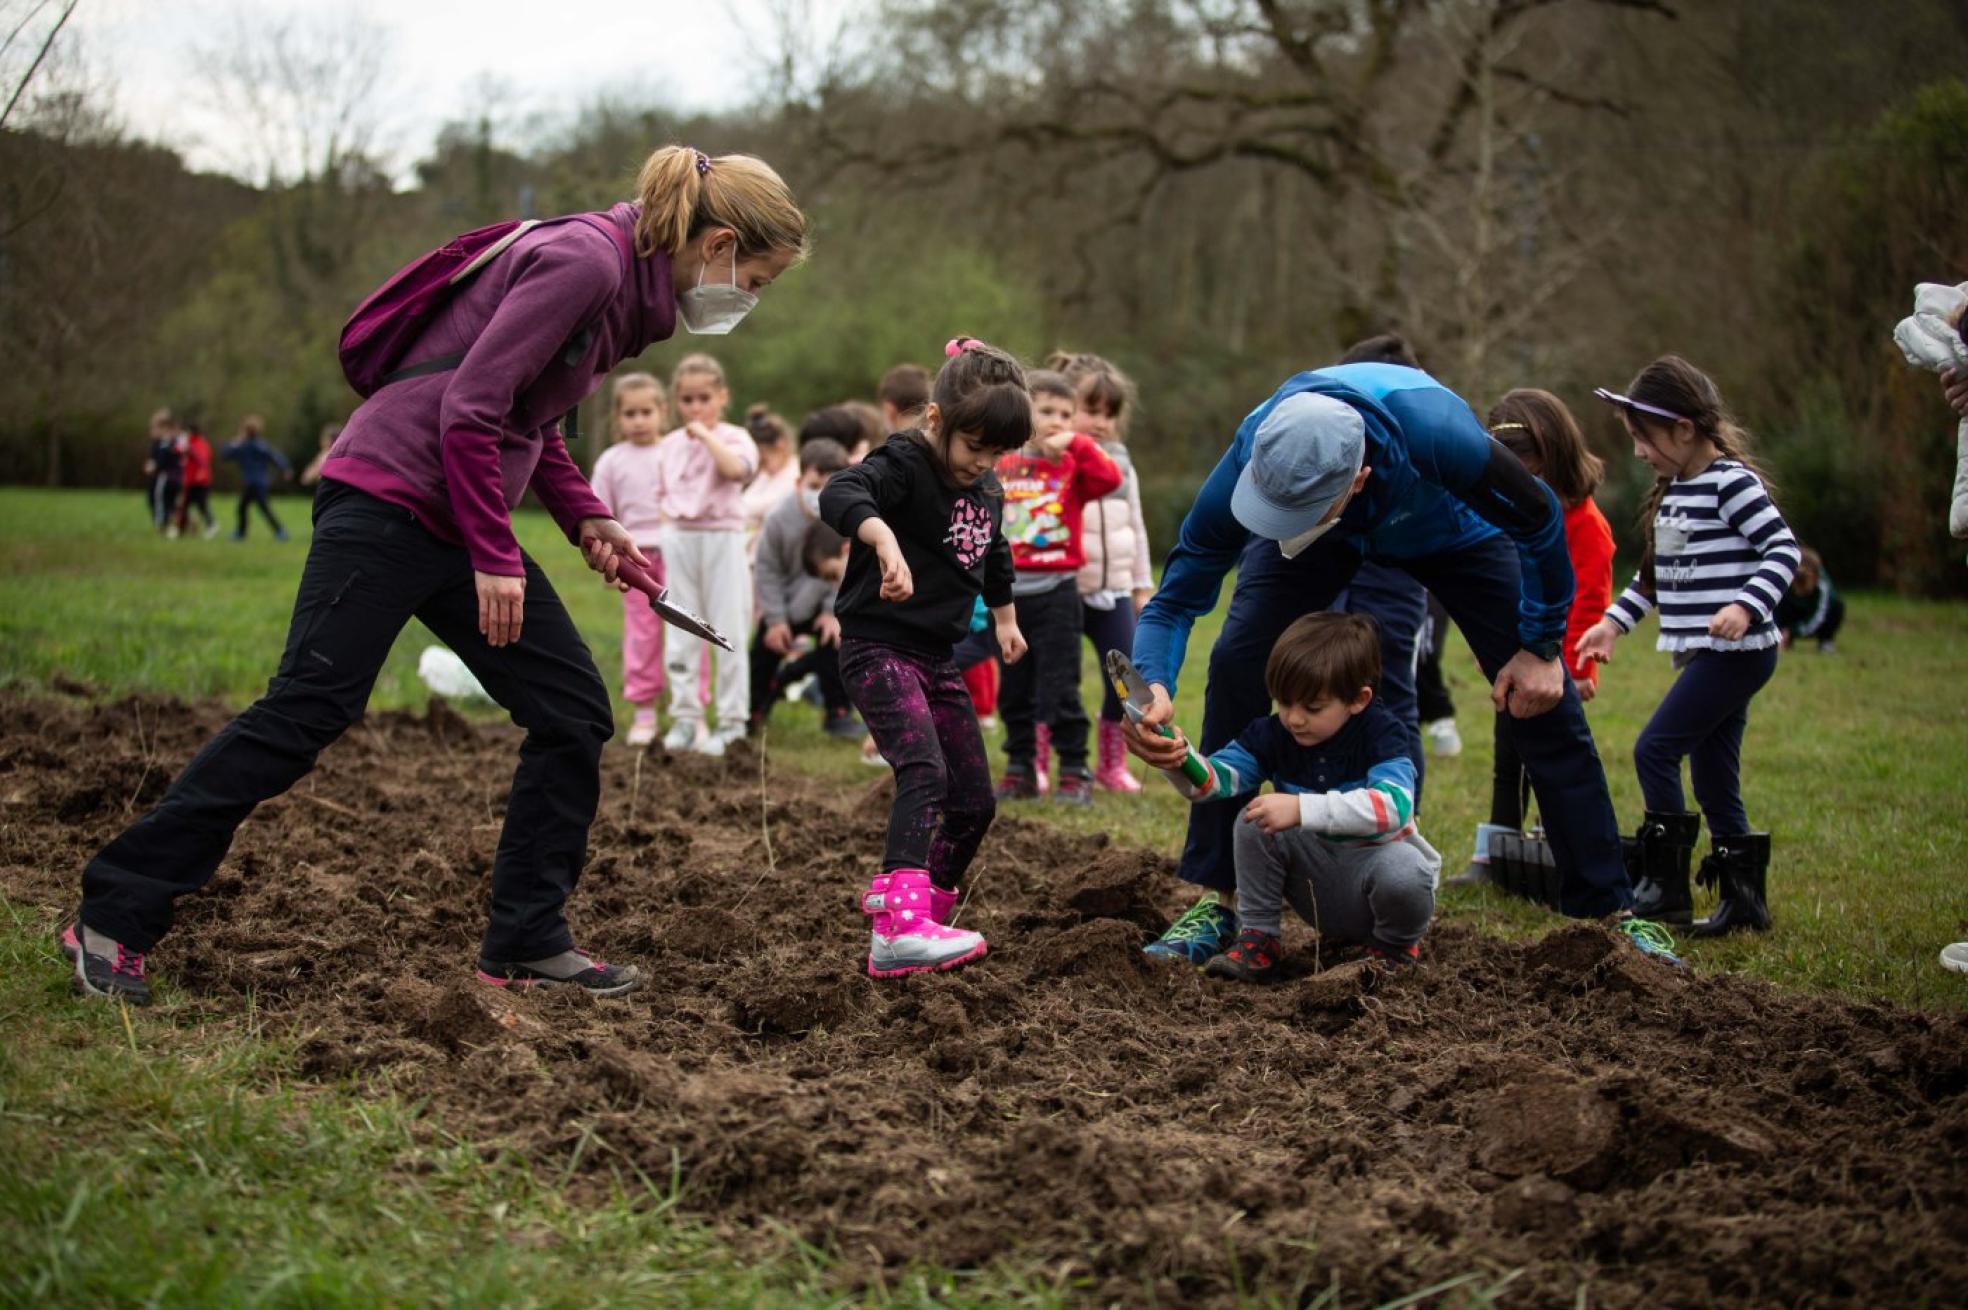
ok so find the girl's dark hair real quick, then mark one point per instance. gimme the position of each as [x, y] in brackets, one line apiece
[766, 427]
[980, 392]
[906, 386]
[869, 418]
[1673, 384]
[1536, 427]
[1324, 656]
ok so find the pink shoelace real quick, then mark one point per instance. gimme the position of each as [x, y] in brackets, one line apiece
[128, 963]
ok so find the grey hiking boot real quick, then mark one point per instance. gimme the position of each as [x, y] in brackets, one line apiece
[104, 968]
[571, 968]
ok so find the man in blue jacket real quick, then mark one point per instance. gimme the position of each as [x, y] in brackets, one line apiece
[1378, 461]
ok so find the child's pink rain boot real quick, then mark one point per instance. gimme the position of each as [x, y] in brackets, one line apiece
[942, 904]
[1042, 757]
[1113, 774]
[907, 938]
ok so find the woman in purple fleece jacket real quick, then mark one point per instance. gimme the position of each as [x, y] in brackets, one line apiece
[414, 520]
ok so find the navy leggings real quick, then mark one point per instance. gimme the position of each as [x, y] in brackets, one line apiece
[1109, 630]
[1701, 719]
[920, 714]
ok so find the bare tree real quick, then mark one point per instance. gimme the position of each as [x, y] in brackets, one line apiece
[18, 19]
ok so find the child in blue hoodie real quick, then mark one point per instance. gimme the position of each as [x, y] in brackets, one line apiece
[1336, 836]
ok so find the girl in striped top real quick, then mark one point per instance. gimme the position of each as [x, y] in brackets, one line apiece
[1719, 556]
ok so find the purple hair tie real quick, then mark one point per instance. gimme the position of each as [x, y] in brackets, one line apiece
[703, 162]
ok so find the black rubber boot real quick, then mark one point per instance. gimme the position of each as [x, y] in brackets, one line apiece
[1666, 845]
[1741, 865]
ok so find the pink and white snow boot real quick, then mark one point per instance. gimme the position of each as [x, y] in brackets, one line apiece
[908, 937]
[1042, 757]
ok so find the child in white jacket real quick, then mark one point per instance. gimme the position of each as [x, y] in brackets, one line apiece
[1118, 576]
[1931, 337]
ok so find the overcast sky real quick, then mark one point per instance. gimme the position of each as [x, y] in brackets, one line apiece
[547, 54]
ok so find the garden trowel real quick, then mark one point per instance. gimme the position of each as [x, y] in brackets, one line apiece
[659, 600]
[1194, 776]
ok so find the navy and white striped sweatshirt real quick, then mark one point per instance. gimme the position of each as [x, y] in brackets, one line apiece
[1718, 540]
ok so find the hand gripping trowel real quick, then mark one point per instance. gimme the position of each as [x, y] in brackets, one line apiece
[1195, 776]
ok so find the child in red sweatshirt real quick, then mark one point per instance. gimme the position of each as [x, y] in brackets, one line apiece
[1046, 485]
[1539, 430]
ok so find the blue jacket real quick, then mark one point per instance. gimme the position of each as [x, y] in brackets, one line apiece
[255, 459]
[1439, 484]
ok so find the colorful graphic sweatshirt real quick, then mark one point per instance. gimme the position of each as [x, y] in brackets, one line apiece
[1045, 499]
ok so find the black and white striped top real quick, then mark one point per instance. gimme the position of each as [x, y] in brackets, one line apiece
[1718, 540]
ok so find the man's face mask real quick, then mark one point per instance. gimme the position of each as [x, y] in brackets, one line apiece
[1291, 547]
[712, 311]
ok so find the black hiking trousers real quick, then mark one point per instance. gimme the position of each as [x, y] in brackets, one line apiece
[370, 570]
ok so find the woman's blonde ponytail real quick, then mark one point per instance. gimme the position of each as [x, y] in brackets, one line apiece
[684, 191]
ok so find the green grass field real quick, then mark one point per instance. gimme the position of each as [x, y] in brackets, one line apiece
[154, 1159]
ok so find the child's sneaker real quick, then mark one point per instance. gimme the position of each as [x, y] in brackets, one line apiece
[719, 740]
[906, 937]
[682, 735]
[642, 728]
[1394, 957]
[1443, 739]
[1202, 932]
[1016, 785]
[1075, 788]
[871, 754]
[1252, 958]
[104, 968]
[844, 725]
[574, 968]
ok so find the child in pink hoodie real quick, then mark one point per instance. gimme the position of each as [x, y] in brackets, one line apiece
[626, 479]
[701, 471]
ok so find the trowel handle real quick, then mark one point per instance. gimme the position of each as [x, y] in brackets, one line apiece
[638, 577]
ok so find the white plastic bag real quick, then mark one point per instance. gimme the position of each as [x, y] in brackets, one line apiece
[444, 673]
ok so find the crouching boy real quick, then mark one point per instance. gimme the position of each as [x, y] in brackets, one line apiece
[1336, 836]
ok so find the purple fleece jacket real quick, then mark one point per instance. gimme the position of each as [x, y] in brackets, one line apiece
[458, 449]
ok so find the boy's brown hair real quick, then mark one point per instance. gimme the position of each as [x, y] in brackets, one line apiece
[1045, 382]
[906, 386]
[1324, 657]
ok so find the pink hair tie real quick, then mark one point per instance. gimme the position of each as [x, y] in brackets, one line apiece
[957, 345]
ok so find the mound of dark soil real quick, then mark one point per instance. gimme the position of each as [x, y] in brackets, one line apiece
[1565, 1108]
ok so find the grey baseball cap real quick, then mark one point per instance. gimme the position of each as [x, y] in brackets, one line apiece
[1306, 454]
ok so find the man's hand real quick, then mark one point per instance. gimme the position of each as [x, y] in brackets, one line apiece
[1528, 686]
[1145, 740]
[827, 630]
[501, 605]
[1595, 644]
[778, 638]
[1273, 812]
[1011, 642]
[603, 543]
[1954, 385]
[1730, 622]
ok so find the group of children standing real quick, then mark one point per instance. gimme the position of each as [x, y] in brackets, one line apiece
[178, 466]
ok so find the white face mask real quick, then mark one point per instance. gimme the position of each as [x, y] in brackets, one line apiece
[810, 502]
[712, 311]
[1294, 546]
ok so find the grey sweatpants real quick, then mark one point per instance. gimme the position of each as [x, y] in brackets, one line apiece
[1382, 894]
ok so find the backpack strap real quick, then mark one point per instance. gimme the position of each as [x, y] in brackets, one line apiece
[577, 345]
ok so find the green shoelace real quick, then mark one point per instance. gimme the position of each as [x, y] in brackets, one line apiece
[1649, 936]
[1195, 922]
